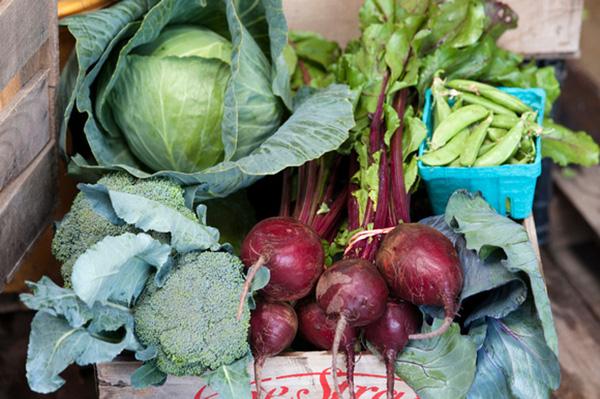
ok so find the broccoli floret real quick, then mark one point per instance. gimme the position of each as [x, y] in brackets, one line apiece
[82, 227]
[191, 319]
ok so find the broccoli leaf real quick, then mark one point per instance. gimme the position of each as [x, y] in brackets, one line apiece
[430, 366]
[186, 234]
[483, 228]
[260, 281]
[146, 375]
[117, 268]
[231, 381]
[567, 147]
[61, 335]
[54, 300]
[515, 360]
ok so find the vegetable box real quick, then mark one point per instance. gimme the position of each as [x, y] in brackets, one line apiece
[508, 188]
[298, 375]
[28, 76]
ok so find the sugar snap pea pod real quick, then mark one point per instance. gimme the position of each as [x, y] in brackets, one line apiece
[496, 133]
[504, 148]
[490, 92]
[474, 142]
[504, 121]
[485, 147]
[448, 153]
[470, 98]
[457, 122]
[457, 104]
[517, 161]
[441, 108]
[455, 163]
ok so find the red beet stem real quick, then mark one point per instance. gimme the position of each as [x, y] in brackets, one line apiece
[249, 277]
[284, 208]
[399, 196]
[435, 333]
[339, 330]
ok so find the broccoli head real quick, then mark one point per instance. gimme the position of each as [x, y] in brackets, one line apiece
[82, 227]
[191, 319]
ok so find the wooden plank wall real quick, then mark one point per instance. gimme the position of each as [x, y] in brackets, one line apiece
[28, 80]
[547, 28]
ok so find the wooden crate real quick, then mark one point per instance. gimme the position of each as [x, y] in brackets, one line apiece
[547, 28]
[28, 78]
[305, 375]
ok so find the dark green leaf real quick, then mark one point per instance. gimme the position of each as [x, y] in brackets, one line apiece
[146, 375]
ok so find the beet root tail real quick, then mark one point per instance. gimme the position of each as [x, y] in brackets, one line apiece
[248, 283]
[436, 333]
[350, 370]
[257, 378]
[390, 371]
[339, 331]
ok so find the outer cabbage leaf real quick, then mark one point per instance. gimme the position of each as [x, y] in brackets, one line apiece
[515, 360]
[186, 234]
[319, 125]
[116, 268]
[430, 366]
[483, 227]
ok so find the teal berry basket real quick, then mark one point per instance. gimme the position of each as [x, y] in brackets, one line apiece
[507, 188]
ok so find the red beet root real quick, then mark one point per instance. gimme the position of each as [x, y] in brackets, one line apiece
[319, 330]
[390, 334]
[354, 292]
[273, 327]
[421, 266]
[293, 253]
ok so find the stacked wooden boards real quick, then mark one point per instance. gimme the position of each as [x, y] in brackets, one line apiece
[28, 79]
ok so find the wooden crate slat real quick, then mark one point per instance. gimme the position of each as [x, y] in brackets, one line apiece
[24, 128]
[304, 375]
[25, 208]
[547, 28]
[24, 27]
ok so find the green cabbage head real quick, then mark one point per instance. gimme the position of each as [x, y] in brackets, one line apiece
[168, 99]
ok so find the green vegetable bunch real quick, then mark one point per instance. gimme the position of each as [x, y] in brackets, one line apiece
[144, 274]
[197, 91]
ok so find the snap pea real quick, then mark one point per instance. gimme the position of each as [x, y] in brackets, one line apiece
[457, 104]
[490, 92]
[504, 121]
[470, 98]
[457, 122]
[455, 163]
[496, 133]
[504, 148]
[447, 153]
[441, 109]
[485, 147]
[474, 142]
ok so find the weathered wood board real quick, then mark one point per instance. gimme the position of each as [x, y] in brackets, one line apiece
[24, 128]
[547, 28]
[25, 207]
[305, 375]
[583, 191]
[28, 80]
